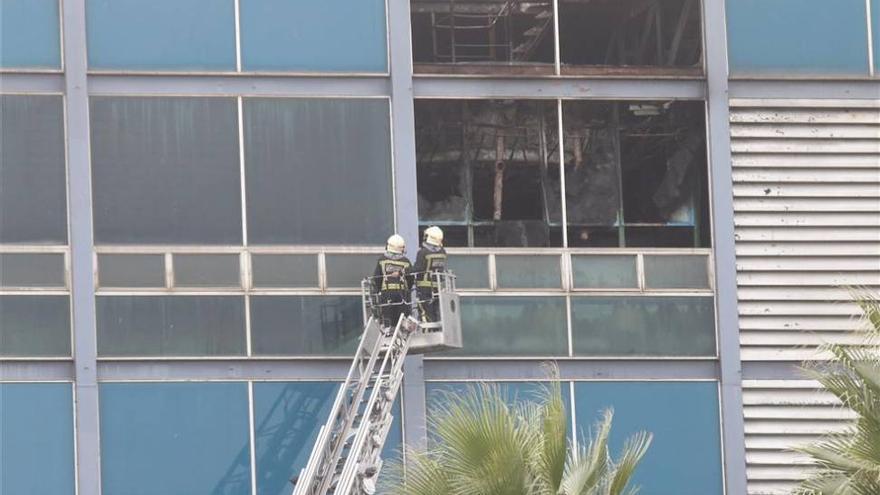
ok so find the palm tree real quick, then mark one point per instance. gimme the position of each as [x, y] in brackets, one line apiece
[849, 463]
[486, 446]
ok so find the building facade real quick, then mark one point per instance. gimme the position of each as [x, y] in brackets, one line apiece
[664, 197]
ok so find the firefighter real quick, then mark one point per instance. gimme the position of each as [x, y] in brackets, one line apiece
[430, 260]
[391, 282]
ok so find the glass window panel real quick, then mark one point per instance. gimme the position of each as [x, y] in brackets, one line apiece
[629, 37]
[175, 438]
[161, 34]
[527, 271]
[131, 270]
[31, 270]
[29, 34]
[604, 272]
[797, 37]
[471, 272]
[488, 171]
[280, 35]
[33, 183]
[287, 418]
[300, 153]
[513, 326]
[480, 37]
[684, 419]
[643, 326]
[171, 326]
[677, 272]
[36, 438]
[347, 270]
[306, 325]
[285, 270]
[165, 170]
[207, 270]
[34, 326]
[875, 33]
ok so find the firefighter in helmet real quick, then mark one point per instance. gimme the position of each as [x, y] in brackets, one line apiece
[391, 282]
[431, 259]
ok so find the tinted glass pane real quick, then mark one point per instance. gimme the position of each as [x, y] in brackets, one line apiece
[29, 34]
[515, 272]
[285, 270]
[306, 325]
[161, 34]
[300, 153]
[347, 270]
[875, 33]
[33, 197]
[684, 420]
[797, 36]
[207, 270]
[287, 417]
[36, 444]
[280, 35]
[673, 272]
[131, 270]
[166, 171]
[31, 270]
[175, 438]
[643, 326]
[471, 272]
[604, 272]
[171, 325]
[34, 326]
[513, 326]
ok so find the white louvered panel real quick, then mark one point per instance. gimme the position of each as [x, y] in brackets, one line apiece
[781, 415]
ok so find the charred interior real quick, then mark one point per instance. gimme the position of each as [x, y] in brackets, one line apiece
[635, 173]
[595, 36]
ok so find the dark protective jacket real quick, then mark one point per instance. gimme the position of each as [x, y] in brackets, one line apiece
[392, 273]
[429, 260]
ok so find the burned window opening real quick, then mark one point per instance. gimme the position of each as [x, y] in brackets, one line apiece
[630, 36]
[482, 36]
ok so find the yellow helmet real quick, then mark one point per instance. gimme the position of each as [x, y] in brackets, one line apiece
[434, 236]
[396, 244]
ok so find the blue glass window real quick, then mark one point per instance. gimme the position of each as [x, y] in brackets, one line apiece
[287, 417]
[161, 34]
[797, 36]
[875, 34]
[683, 418]
[175, 438]
[313, 35]
[306, 325]
[36, 438]
[30, 35]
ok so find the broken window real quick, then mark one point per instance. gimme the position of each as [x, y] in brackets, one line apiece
[488, 172]
[635, 174]
[628, 36]
[478, 36]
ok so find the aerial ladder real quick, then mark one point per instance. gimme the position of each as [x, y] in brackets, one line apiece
[346, 458]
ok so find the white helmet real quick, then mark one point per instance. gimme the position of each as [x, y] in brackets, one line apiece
[395, 244]
[434, 236]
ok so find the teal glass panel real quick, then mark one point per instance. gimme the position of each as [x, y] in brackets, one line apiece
[471, 272]
[284, 270]
[161, 34]
[528, 272]
[175, 438]
[604, 272]
[171, 326]
[348, 270]
[306, 325]
[676, 272]
[36, 439]
[513, 326]
[30, 34]
[34, 326]
[778, 37]
[643, 326]
[287, 418]
[875, 34]
[685, 456]
[285, 35]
